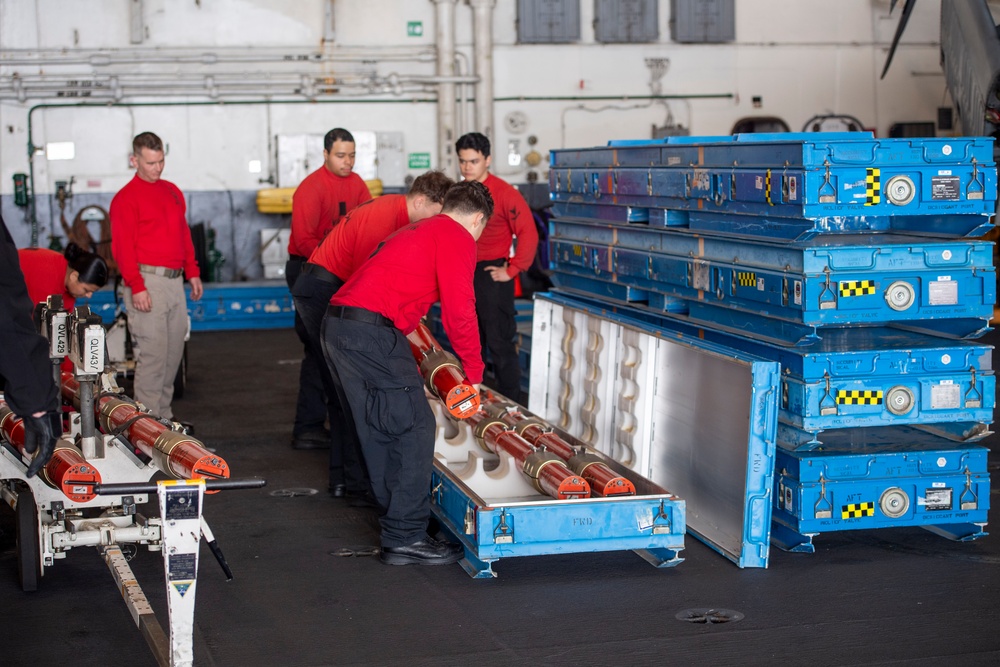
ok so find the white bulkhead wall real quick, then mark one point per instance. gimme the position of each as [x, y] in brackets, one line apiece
[801, 58]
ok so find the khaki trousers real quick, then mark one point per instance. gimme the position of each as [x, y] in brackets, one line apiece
[159, 335]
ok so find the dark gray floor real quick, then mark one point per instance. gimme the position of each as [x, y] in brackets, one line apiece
[893, 597]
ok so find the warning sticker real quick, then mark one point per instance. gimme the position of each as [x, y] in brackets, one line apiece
[873, 187]
[859, 397]
[797, 293]
[857, 287]
[746, 279]
[943, 293]
[937, 499]
[945, 188]
[946, 397]
[793, 188]
[857, 510]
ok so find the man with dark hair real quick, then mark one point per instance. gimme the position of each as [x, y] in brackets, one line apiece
[25, 369]
[494, 272]
[335, 260]
[151, 243]
[364, 335]
[320, 201]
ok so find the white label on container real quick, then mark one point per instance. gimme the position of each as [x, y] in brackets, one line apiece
[943, 293]
[946, 397]
[944, 172]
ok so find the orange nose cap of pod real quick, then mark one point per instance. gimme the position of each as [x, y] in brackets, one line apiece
[619, 486]
[574, 487]
[462, 401]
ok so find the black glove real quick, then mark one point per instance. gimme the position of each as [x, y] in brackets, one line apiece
[40, 433]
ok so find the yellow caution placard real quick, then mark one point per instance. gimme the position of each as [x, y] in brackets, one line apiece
[746, 279]
[857, 510]
[873, 186]
[857, 287]
[767, 188]
[859, 397]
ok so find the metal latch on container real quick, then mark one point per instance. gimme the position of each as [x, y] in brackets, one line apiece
[823, 509]
[968, 500]
[827, 404]
[502, 533]
[827, 193]
[828, 296]
[974, 190]
[973, 399]
[661, 522]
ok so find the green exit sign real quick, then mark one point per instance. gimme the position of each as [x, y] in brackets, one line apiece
[415, 29]
[420, 160]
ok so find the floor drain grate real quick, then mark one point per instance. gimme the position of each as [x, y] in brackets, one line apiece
[293, 492]
[709, 616]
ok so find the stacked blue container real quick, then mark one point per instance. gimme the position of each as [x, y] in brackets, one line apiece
[849, 260]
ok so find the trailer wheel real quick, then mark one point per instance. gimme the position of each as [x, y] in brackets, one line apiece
[29, 557]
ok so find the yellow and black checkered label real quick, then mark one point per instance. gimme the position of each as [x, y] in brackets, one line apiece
[873, 187]
[746, 279]
[857, 287]
[767, 188]
[857, 510]
[859, 397]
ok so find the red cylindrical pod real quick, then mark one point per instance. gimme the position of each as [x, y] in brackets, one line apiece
[67, 470]
[547, 472]
[174, 453]
[443, 374]
[603, 480]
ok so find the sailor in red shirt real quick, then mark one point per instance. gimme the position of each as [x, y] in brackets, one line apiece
[364, 336]
[75, 274]
[334, 261]
[494, 272]
[151, 242]
[320, 201]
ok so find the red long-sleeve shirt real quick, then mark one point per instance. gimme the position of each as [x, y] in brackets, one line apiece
[148, 226]
[45, 274]
[511, 217]
[433, 260]
[319, 202]
[351, 241]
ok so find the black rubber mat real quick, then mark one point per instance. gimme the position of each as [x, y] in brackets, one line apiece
[308, 592]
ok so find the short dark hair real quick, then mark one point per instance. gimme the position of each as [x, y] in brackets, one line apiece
[433, 184]
[336, 134]
[92, 268]
[477, 141]
[146, 140]
[467, 197]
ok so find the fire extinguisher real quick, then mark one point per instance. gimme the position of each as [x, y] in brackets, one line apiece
[20, 190]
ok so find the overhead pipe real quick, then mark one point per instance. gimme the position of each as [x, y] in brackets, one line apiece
[66, 471]
[445, 39]
[277, 55]
[482, 31]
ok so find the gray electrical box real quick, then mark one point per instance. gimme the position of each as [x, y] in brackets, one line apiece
[626, 21]
[548, 21]
[702, 21]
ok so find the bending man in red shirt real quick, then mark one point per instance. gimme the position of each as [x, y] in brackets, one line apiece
[336, 259]
[364, 336]
[494, 272]
[151, 242]
[74, 274]
[320, 201]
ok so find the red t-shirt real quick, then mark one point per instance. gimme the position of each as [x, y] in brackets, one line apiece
[511, 217]
[321, 200]
[45, 274]
[432, 260]
[148, 227]
[353, 239]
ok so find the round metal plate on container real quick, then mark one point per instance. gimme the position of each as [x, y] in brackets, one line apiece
[899, 400]
[894, 502]
[900, 295]
[900, 190]
[709, 616]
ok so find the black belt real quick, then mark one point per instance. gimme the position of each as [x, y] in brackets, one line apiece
[297, 258]
[359, 315]
[321, 273]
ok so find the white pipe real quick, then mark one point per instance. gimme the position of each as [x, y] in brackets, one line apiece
[106, 58]
[445, 38]
[482, 30]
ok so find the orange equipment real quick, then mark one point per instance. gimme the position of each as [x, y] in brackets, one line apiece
[67, 470]
[172, 452]
[443, 374]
